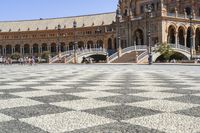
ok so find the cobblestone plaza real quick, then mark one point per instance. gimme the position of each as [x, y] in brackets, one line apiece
[99, 99]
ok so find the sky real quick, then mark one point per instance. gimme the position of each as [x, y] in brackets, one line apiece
[36, 9]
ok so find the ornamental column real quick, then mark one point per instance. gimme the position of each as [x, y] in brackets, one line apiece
[194, 45]
[185, 40]
[176, 39]
[13, 50]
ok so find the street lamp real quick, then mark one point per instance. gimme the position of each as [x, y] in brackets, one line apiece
[118, 15]
[191, 36]
[75, 43]
[59, 45]
[148, 11]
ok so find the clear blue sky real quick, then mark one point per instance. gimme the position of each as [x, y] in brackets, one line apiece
[35, 9]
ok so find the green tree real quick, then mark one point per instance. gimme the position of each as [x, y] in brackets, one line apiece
[15, 56]
[165, 50]
[45, 55]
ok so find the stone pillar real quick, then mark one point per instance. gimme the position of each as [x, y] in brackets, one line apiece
[31, 50]
[40, 47]
[176, 39]
[185, 40]
[13, 50]
[3, 50]
[57, 47]
[22, 50]
[49, 47]
[194, 45]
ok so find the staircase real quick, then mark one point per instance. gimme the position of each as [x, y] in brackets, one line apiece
[128, 58]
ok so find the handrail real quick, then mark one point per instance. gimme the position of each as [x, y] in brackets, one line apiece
[141, 56]
[79, 52]
[180, 47]
[113, 56]
[126, 50]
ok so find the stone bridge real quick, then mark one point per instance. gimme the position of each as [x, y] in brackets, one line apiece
[69, 56]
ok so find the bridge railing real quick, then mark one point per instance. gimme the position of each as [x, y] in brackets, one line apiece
[181, 47]
[113, 56]
[78, 51]
[128, 49]
[142, 56]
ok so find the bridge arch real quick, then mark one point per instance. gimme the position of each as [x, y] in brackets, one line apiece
[180, 52]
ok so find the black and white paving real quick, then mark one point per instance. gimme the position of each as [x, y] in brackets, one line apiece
[100, 99]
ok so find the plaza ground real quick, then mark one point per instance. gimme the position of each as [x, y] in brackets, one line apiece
[100, 99]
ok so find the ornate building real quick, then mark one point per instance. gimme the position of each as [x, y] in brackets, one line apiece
[169, 22]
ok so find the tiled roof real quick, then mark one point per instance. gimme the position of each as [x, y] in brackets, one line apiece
[67, 22]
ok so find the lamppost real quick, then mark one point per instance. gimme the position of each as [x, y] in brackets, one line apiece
[118, 30]
[75, 43]
[191, 36]
[59, 45]
[148, 11]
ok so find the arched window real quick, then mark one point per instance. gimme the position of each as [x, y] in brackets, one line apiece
[171, 34]
[44, 47]
[26, 49]
[181, 33]
[197, 40]
[35, 48]
[17, 48]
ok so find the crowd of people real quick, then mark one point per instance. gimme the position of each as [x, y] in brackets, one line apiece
[21, 61]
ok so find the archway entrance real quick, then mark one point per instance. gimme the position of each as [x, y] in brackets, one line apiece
[139, 37]
[177, 56]
[197, 39]
[171, 35]
[181, 33]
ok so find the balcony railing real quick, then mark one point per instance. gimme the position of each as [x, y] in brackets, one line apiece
[178, 15]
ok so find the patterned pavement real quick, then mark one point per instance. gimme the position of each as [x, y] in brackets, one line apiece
[99, 99]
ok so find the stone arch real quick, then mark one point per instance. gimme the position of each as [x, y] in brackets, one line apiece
[81, 45]
[26, 49]
[35, 48]
[44, 47]
[171, 34]
[189, 30]
[181, 33]
[139, 37]
[53, 48]
[63, 46]
[110, 44]
[71, 46]
[99, 44]
[184, 54]
[197, 40]
[90, 44]
[8, 49]
[17, 48]
[1, 50]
